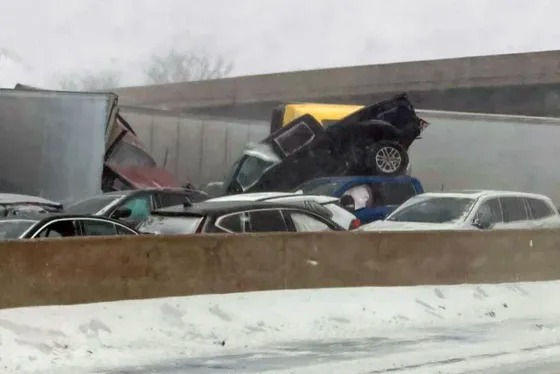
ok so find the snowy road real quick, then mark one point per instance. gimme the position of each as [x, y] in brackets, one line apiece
[484, 348]
[423, 330]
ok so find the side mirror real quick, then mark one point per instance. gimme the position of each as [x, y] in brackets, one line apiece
[483, 221]
[122, 212]
[348, 203]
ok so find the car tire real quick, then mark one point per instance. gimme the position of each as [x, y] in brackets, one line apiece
[388, 158]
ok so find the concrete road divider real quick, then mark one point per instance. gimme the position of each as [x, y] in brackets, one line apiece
[71, 271]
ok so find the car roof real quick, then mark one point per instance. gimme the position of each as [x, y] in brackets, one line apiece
[366, 178]
[10, 198]
[476, 194]
[320, 199]
[275, 196]
[48, 216]
[254, 196]
[214, 208]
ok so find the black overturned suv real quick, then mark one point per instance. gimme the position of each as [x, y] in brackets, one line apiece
[371, 141]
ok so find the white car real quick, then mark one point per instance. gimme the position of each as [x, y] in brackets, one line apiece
[470, 210]
[339, 215]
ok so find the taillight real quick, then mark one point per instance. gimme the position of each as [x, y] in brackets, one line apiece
[355, 224]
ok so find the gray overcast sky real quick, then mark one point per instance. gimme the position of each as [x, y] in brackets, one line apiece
[47, 38]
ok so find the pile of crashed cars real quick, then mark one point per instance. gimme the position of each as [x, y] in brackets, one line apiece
[131, 204]
[324, 165]
[323, 168]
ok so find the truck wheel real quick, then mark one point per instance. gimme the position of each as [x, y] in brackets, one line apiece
[388, 158]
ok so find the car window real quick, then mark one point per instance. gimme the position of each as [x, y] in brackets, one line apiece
[513, 209]
[306, 223]
[139, 206]
[121, 230]
[98, 228]
[433, 209]
[494, 209]
[267, 221]
[391, 193]
[539, 208]
[171, 199]
[197, 196]
[56, 229]
[231, 223]
[295, 138]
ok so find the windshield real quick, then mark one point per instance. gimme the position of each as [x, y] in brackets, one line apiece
[162, 225]
[13, 229]
[319, 187]
[254, 164]
[433, 210]
[92, 205]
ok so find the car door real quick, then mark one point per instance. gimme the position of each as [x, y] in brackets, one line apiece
[516, 213]
[99, 227]
[493, 208]
[58, 228]
[543, 215]
[300, 221]
[305, 150]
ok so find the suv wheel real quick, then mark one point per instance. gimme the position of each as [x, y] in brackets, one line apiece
[388, 158]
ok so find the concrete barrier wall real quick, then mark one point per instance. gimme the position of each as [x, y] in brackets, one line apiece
[104, 269]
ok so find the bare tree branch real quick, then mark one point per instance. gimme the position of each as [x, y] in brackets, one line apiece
[103, 80]
[186, 67]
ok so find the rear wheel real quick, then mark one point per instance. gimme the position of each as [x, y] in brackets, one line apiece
[388, 158]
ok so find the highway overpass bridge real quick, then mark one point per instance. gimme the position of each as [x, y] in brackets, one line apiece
[524, 83]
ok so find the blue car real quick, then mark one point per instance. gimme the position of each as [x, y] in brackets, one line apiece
[374, 196]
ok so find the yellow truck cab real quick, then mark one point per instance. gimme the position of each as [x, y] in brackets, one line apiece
[326, 114]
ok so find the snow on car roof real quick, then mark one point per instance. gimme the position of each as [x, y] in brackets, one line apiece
[321, 199]
[475, 194]
[250, 196]
[9, 198]
[274, 196]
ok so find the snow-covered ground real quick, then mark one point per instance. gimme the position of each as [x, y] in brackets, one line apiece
[424, 329]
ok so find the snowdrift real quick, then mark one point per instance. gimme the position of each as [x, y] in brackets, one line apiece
[471, 319]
